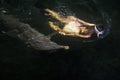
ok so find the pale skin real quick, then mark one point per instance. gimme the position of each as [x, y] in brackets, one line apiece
[73, 26]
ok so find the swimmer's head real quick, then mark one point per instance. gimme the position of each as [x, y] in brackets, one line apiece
[100, 30]
[100, 27]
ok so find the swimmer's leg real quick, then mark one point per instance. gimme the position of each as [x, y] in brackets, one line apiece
[54, 27]
[56, 15]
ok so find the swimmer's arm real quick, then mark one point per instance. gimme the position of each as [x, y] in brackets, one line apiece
[75, 35]
[81, 21]
[56, 15]
[84, 36]
[86, 23]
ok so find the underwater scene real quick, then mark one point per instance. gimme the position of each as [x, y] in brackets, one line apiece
[59, 39]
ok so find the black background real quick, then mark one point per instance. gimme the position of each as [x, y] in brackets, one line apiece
[99, 60]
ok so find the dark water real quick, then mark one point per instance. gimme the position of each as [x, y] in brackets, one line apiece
[97, 60]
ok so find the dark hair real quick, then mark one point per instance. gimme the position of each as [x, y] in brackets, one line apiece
[100, 27]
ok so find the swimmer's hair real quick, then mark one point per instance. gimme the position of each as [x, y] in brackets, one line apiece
[100, 27]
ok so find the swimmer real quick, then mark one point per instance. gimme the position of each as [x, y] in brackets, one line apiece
[74, 26]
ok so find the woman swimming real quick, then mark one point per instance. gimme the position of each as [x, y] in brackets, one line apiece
[75, 27]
